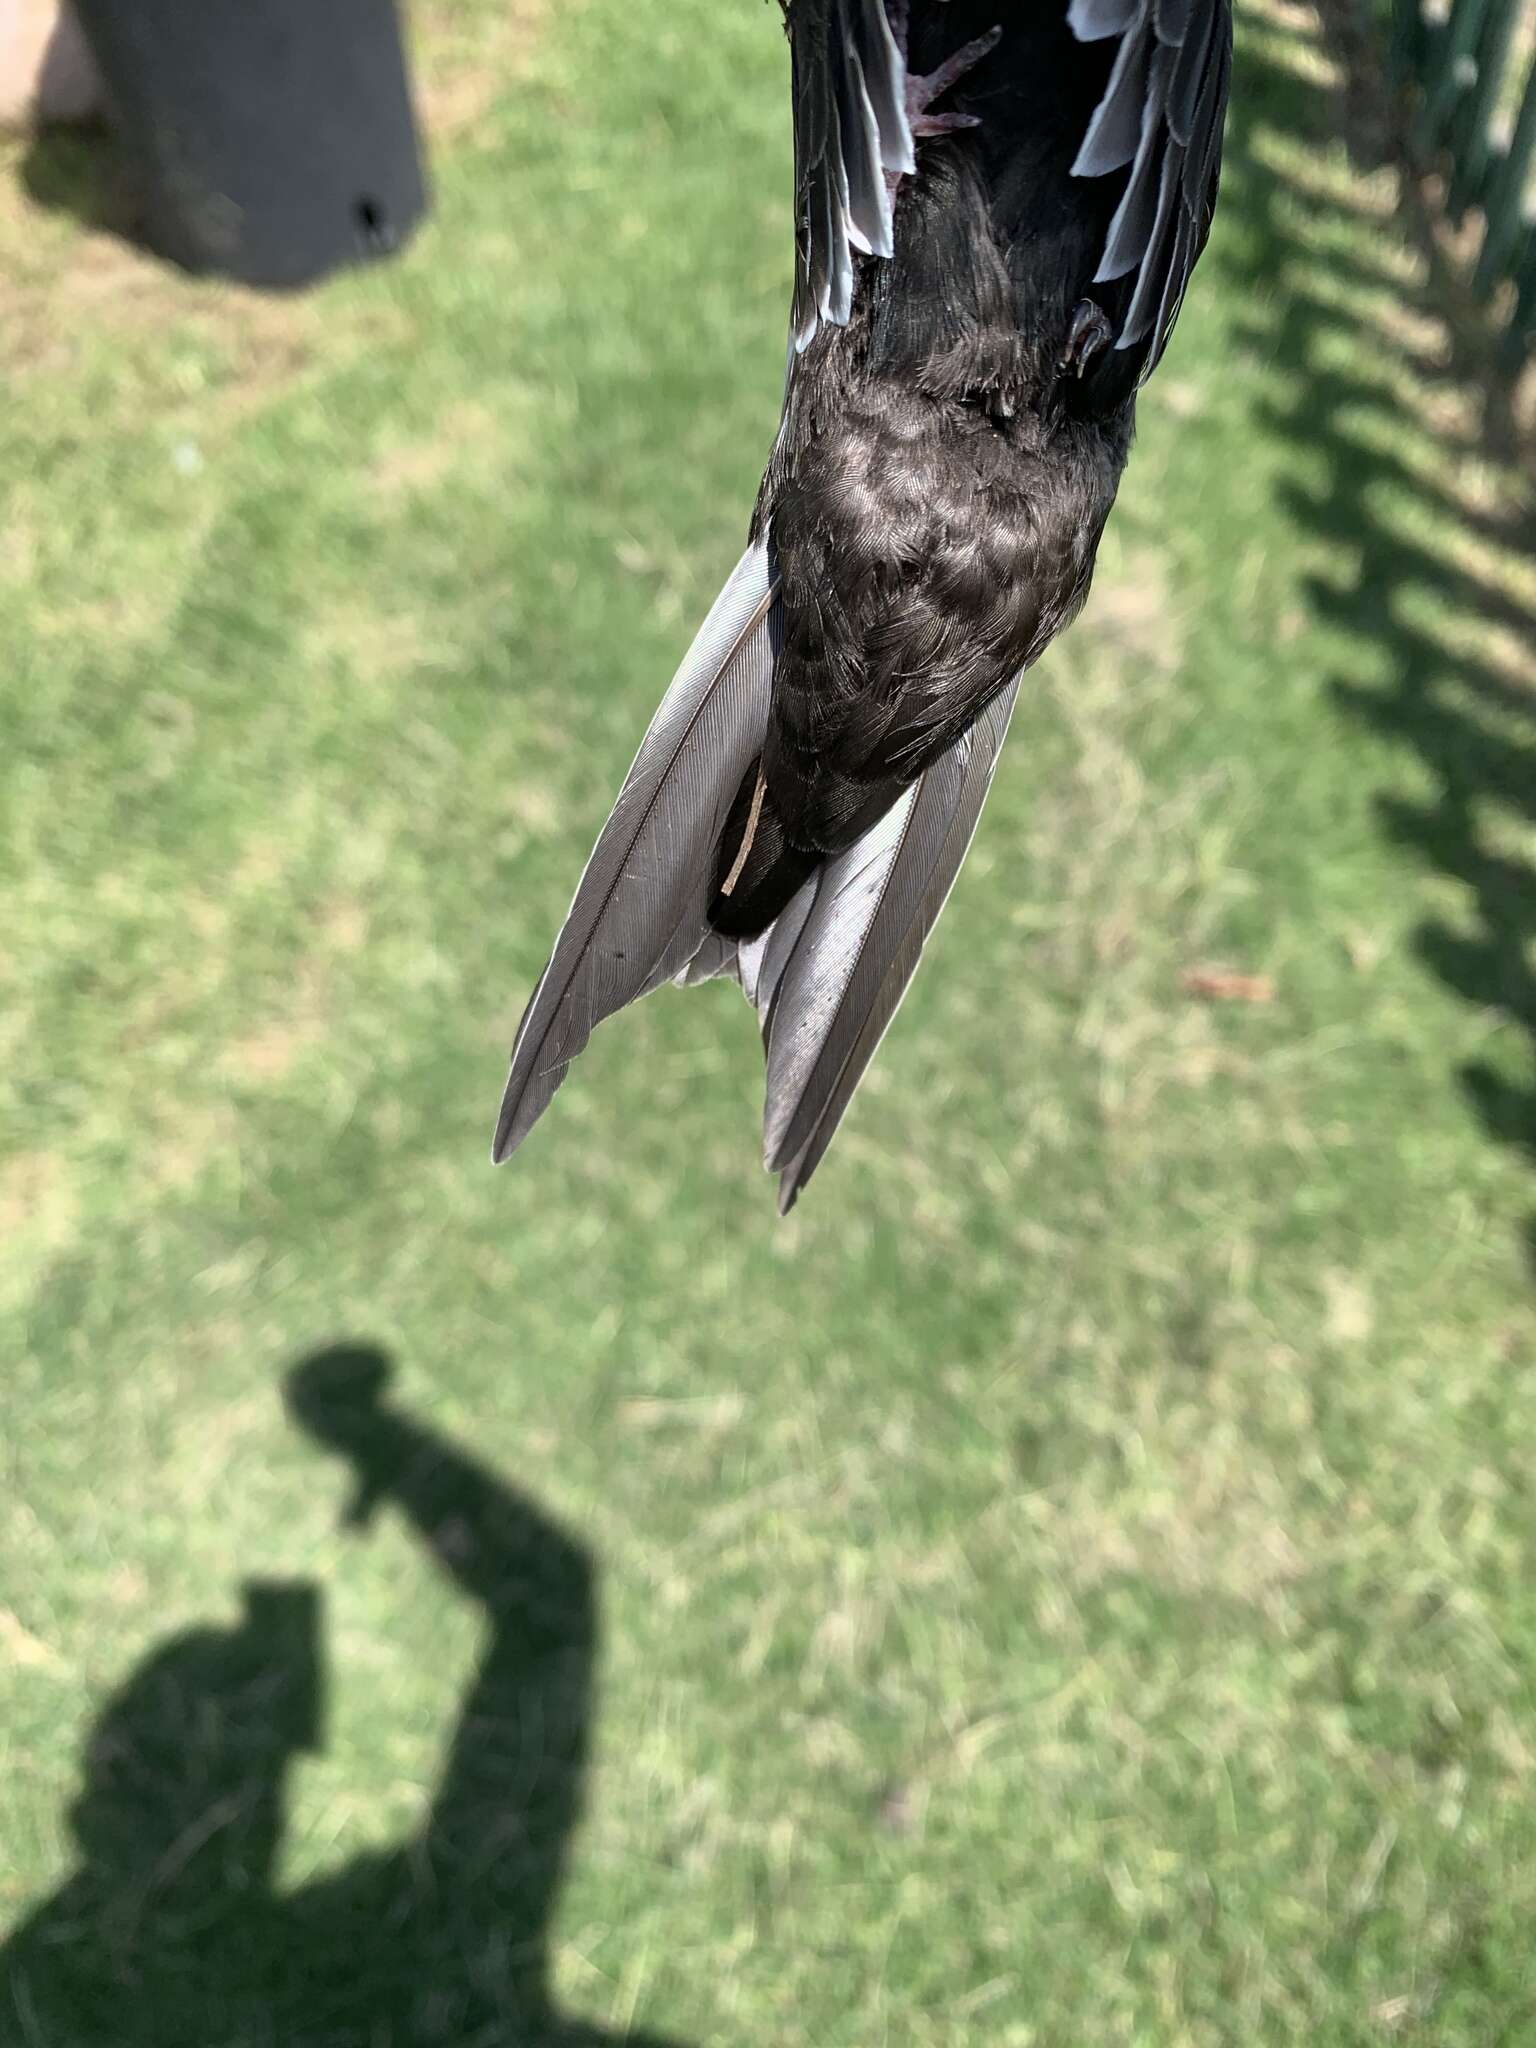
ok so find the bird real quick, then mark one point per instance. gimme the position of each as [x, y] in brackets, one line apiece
[998, 208]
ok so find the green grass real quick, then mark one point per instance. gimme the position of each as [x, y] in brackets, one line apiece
[1075, 1582]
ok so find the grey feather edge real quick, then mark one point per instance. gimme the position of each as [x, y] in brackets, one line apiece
[868, 134]
[829, 1003]
[1145, 233]
[639, 913]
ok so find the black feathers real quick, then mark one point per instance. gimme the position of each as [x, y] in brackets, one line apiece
[1162, 115]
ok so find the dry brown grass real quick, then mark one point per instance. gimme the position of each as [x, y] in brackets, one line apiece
[465, 62]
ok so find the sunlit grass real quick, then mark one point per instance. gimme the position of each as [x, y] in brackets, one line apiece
[1070, 1584]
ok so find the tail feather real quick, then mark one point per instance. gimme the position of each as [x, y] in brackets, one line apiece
[827, 974]
[851, 961]
[640, 912]
[754, 964]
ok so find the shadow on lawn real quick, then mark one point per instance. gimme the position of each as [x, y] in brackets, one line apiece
[1414, 548]
[86, 173]
[173, 1933]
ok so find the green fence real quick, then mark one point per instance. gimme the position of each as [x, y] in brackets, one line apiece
[1472, 70]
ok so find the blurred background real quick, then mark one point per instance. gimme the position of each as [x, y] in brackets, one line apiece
[1075, 1581]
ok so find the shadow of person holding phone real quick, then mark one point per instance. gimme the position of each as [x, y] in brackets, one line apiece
[173, 1931]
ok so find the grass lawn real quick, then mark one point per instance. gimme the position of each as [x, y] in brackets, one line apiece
[1071, 1586]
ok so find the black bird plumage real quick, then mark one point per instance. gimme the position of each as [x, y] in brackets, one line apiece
[998, 208]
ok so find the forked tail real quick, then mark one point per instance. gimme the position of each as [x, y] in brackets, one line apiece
[823, 949]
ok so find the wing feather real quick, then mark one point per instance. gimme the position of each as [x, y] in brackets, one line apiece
[1185, 94]
[851, 127]
[1092, 20]
[1162, 114]
[1155, 271]
[1115, 132]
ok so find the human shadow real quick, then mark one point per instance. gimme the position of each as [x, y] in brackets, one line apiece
[1435, 640]
[173, 1931]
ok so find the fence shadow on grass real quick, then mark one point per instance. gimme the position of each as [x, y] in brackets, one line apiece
[1425, 534]
[172, 1931]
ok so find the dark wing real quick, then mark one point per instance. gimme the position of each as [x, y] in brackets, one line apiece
[1162, 115]
[849, 87]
